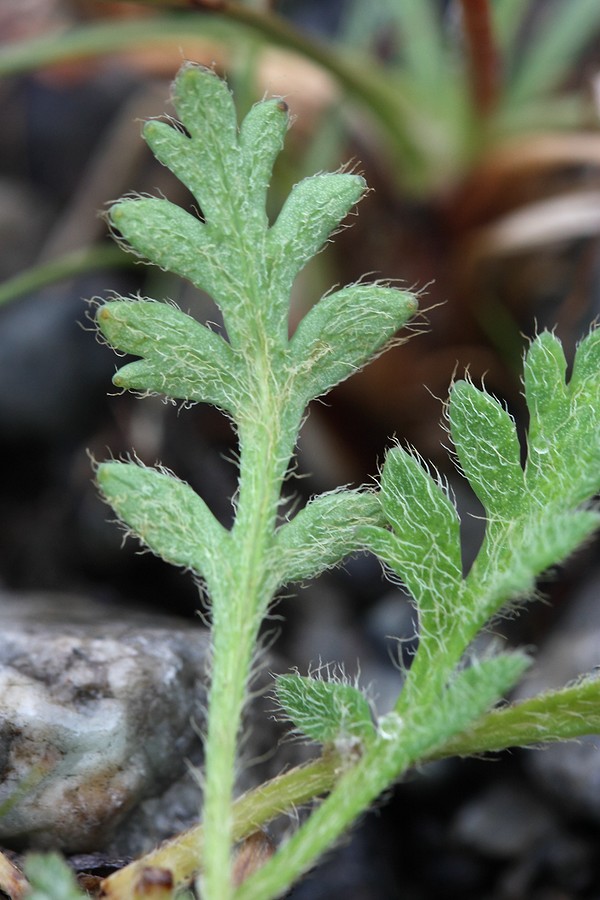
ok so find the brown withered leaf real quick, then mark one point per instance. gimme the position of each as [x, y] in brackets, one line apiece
[252, 853]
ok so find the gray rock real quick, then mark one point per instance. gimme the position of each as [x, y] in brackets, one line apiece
[99, 709]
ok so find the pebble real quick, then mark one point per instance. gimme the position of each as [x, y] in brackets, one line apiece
[99, 709]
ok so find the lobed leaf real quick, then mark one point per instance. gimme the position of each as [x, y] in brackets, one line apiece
[533, 519]
[424, 547]
[176, 241]
[488, 449]
[177, 152]
[563, 462]
[181, 358]
[325, 711]
[545, 390]
[313, 210]
[562, 471]
[473, 690]
[205, 105]
[433, 719]
[420, 510]
[507, 566]
[171, 238]
[163, 233]
[225, 172]
[261, 140]
[224, 254]
[166, 515]
[343, 331]
[587, 361]
[323, 533]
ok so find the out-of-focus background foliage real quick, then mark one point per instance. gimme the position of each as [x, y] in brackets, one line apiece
[475, 123]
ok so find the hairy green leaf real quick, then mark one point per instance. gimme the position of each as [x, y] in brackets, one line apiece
[424, 547]
[561, 715]
[522, 552]
[325, 711]
[410, 496]
[433, 718]
[315, 207]
[545, 391]
[181, 358]
[587, 360]
[533, 519]
[343, 331]
[535, 516]
[173, 239]
[486, 442]
[473, 690]
[205, 105]
[323, 533]
[166, 515]
[563, 462]
[261, 140]
[562, 472]
[177, 151]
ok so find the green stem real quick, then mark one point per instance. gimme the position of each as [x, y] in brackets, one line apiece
[183, 855]
[563, 715]
[560, 715]
[239, 605]
[231, 666]
[381, 764]
[436, 658]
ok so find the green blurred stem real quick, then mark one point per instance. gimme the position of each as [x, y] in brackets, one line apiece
[92, 40]
[363, 78]
[79, 262]
[98, 39]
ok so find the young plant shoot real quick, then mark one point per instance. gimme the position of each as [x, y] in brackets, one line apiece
[264, 380]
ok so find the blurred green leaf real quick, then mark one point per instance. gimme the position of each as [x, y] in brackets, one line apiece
[51, 878]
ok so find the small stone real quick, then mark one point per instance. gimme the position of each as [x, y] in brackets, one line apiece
[99, 709]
